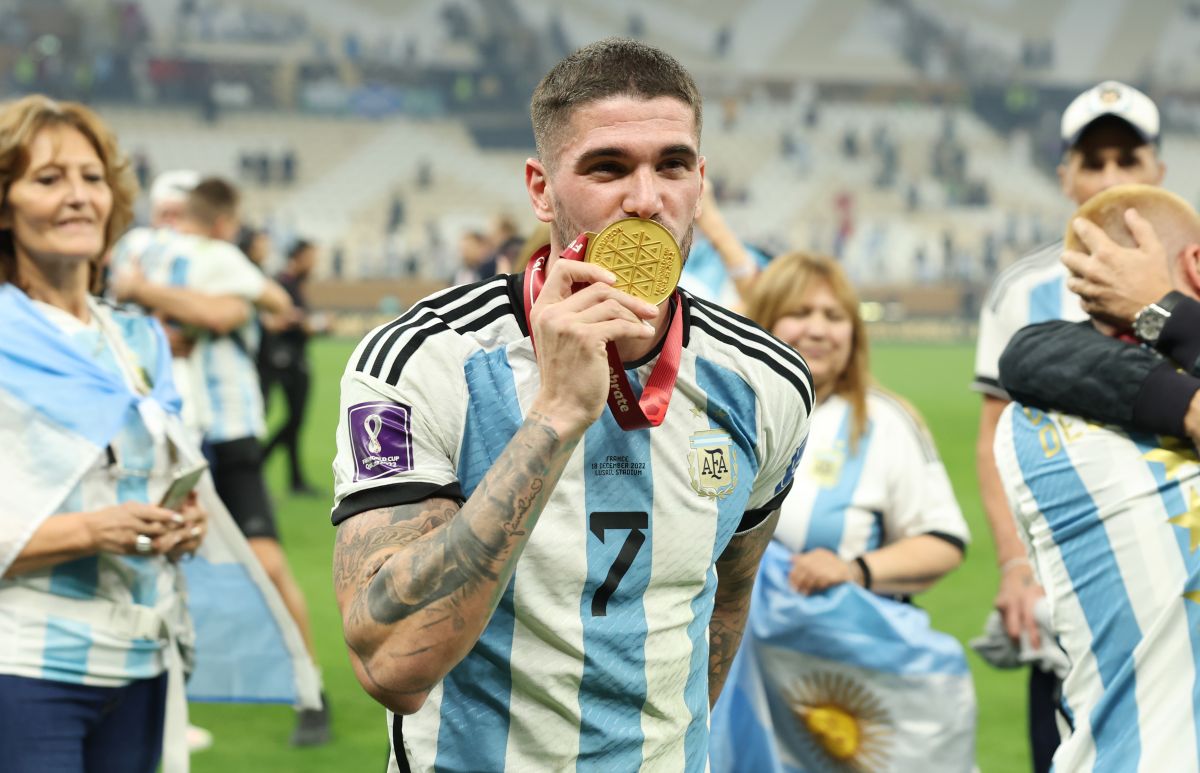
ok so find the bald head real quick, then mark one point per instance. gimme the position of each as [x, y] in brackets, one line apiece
[1174, 220]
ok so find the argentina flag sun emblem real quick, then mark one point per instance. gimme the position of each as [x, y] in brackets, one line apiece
[712, 463]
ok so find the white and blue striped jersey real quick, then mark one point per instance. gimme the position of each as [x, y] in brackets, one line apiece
[855, 499]
[1112, 523]
[96, 620]
[1032, 290]
[591, 661]
[221, 371]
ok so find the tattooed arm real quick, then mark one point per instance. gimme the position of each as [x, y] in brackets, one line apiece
[736, 569]
[418, 583]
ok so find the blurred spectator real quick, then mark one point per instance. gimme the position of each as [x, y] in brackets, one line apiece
[256, 244]
[475, 261]
[287, 166]
[395, 212]
[284, 359]
[506, 244]
[141, 168]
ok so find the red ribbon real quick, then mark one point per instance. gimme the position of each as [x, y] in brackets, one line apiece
[651, 408]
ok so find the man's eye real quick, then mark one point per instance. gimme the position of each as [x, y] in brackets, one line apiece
[47, 179]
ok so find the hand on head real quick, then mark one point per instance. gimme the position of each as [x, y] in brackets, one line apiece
[1114, 282]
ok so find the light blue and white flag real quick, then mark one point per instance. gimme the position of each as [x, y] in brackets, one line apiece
[59, 409]
[843, 681]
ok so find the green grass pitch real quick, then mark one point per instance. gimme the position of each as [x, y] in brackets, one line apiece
[934, 378]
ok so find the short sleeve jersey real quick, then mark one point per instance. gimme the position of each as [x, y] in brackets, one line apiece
[93, 620]
[589, 658]
[225, 363]
[1032, 290]
[1112, 525]
[852, 499]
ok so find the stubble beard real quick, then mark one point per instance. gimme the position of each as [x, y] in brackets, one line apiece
[566, 230]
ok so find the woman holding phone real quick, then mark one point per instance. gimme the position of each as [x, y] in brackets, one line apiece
[91, 610]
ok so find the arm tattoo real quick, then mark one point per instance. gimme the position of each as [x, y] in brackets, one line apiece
[431, 559]
[736, 571]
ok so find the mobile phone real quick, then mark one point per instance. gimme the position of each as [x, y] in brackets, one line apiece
[181, 485]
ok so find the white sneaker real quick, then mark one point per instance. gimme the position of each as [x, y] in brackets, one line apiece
[198, 739]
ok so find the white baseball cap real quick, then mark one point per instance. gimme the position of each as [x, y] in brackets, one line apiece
[1110, 98]
[174, 185]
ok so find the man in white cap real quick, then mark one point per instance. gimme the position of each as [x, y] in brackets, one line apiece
[1110, 136]
[168, 196]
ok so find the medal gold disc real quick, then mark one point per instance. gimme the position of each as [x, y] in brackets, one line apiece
[642, 254]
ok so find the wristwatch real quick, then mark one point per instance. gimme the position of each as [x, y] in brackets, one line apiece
[1150, 321]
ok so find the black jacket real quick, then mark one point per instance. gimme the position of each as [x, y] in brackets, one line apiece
[1074, 368]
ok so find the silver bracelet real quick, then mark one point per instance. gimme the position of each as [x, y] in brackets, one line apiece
[1010, 563]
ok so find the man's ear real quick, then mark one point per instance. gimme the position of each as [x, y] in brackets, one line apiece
[1062, 178]
[537, 183]
[1189, 265]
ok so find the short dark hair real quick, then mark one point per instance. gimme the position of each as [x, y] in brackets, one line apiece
[609, 67]
[298, 247]
[211, 198]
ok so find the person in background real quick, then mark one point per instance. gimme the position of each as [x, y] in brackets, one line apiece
[1109, 510]
[506, 244]
[1110, 136]
[476, 261]
[255, 243]
[720, 268]
[872, 508]
[196, 276]
[284, 359]
[91, 604]
[168, 196]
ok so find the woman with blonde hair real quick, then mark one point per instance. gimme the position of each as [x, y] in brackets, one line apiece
[870, 520]
[90, 602]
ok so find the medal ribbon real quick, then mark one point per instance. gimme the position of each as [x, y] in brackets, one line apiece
[651, 408]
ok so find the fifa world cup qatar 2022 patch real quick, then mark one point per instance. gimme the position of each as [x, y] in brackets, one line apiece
[381, 439]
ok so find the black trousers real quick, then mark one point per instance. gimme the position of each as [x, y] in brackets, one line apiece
[295, 382]
[1044, 696]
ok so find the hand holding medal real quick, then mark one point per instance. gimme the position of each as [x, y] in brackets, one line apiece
[643, 262]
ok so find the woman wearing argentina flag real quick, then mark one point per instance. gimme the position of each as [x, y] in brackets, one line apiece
[91, 605]
[836, 671]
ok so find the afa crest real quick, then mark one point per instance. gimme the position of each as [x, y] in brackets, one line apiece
[712, 463]
[827, 465]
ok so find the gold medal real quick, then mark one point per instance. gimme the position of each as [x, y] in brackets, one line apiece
[643, 255]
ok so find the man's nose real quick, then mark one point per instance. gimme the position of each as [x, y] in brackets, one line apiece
[642, 198]
[1115, 174]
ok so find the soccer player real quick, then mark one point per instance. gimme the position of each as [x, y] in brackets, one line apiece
[524, 584]
[1110, 519]
[1110, 135]
[194, 276]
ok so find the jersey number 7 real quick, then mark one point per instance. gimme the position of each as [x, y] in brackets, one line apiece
[601, 522]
